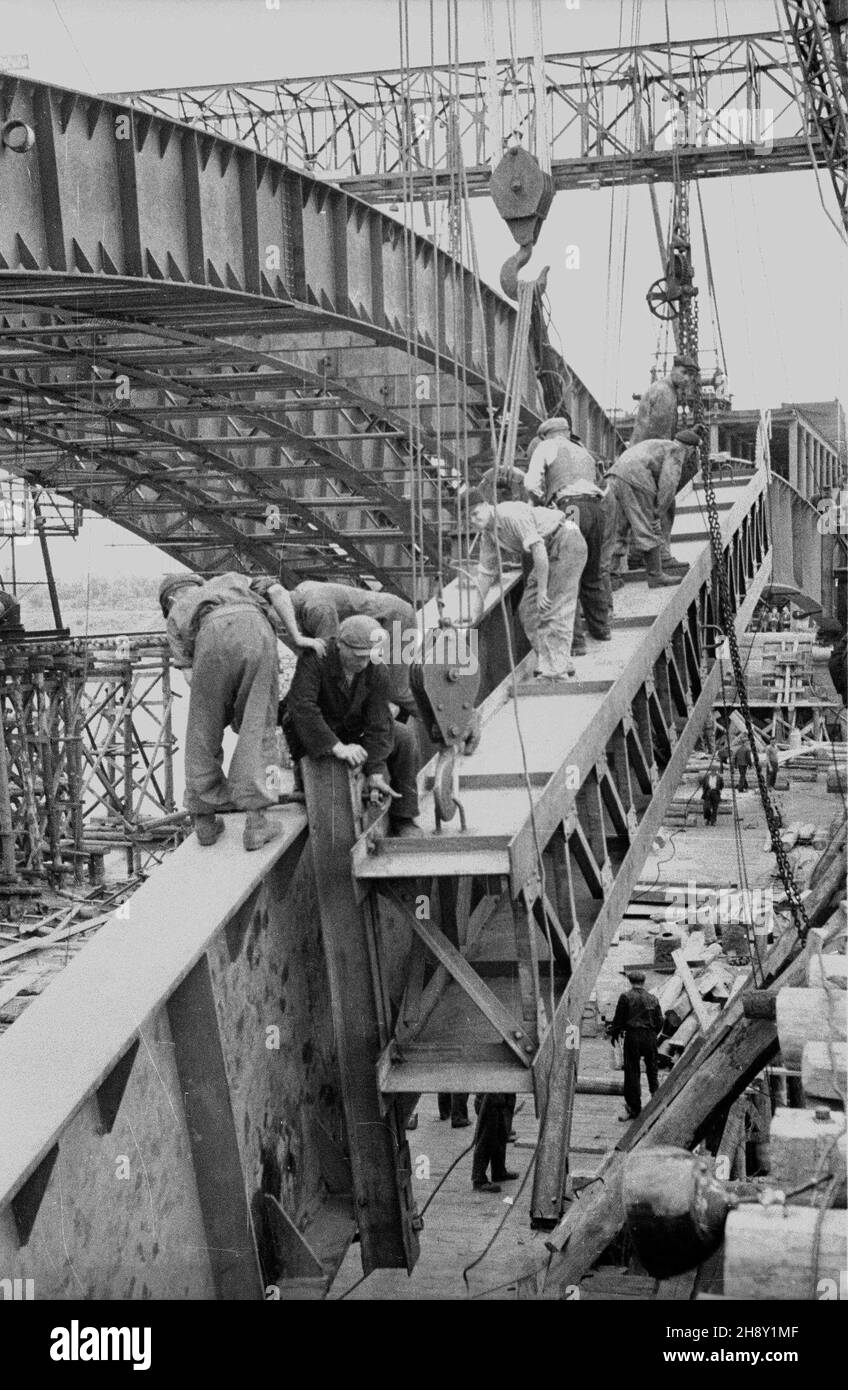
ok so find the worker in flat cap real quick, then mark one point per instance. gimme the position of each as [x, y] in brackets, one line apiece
[643, 483]
[639, 1019]
[562, 474]
[657, 411]
[223, 636]
[657, 416]
[338, 706]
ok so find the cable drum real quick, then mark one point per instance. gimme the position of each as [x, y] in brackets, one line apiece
[664, 944]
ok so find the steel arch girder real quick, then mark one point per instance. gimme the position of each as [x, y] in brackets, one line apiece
[124, 194]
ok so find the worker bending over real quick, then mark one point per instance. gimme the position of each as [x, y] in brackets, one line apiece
[639, 1018]
[643, 482]
[657, 418]
[223, 636]
[553, 545]
[319, 608]
[338, 706]
[563, 474]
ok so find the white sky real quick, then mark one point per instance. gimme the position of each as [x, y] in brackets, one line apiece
[779, 266]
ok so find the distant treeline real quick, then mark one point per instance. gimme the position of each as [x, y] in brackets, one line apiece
[124, 591]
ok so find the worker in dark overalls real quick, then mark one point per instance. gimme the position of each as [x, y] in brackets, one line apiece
[494, 1123]
[638, 1018]
[741, 761]
[563, 474]
[712, 786]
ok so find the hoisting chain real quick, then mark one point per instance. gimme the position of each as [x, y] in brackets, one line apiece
[727, 613]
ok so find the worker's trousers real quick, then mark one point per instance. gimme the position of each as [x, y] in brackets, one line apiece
[234, 682]
[639, 1043]
[550, 633]
[633, 511]
[595, 600]
[711, 801]
[494, 1121]
[453, 1106]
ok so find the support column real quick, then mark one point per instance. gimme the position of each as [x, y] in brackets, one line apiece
[379, 1154]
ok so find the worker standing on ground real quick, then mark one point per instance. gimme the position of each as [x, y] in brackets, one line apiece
[563, 474]
[643, 482]
[712, 786]
[550, 547]
[494, 1122]
[772, 764]
[222, 634]
[338, 706]
[638, 1018]
[453, 1106]
[741, 761]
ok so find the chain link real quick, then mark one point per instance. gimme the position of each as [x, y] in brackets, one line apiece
[727, 613]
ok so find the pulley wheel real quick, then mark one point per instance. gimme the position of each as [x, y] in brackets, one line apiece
[659, 303]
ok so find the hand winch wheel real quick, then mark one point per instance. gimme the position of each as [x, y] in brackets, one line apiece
[659, 303]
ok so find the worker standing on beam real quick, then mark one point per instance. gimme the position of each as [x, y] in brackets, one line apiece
[338, 706]
[643, 482]
[563, 474]
[657, 418]
[553, 552]
[222, 635]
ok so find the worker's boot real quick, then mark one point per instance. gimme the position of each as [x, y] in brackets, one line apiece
[258, 830]
[208, 829]
[657, 579]
[672, 566]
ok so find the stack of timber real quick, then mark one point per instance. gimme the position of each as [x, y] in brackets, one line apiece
[793, 1244]
[778, 1241]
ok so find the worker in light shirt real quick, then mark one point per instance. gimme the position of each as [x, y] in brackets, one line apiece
[549, 546]
[563, 474]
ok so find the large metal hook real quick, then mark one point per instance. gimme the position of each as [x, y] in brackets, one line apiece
[510, 269]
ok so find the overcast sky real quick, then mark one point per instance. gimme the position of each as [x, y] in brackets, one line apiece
[779, 266]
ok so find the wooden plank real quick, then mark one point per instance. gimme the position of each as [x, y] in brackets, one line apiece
[701, 1013]
[102, 998]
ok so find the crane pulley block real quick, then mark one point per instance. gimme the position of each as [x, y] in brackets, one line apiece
[522, 194]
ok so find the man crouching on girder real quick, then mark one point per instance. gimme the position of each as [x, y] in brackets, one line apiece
[338, 706]
[553, 553]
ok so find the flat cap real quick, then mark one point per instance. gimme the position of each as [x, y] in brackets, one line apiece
[689, 437]
[688, 362]
[361, 634]
[636, 977]
[555, 425]
[172, 582]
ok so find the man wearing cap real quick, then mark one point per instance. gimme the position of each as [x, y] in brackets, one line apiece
[639, 1018]
[563, 474]
[552, 551]
[643, 482]
[656, 418]
[338, 706]
[222, 634]
[319, 608]
[712, 786]
[656, 413]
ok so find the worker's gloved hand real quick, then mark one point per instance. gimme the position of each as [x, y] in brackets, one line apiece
[313, 644]
[472, 738]
[351, 753]
[379, 789]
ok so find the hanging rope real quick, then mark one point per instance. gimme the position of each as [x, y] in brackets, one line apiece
[493, 100]
[541, 135]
